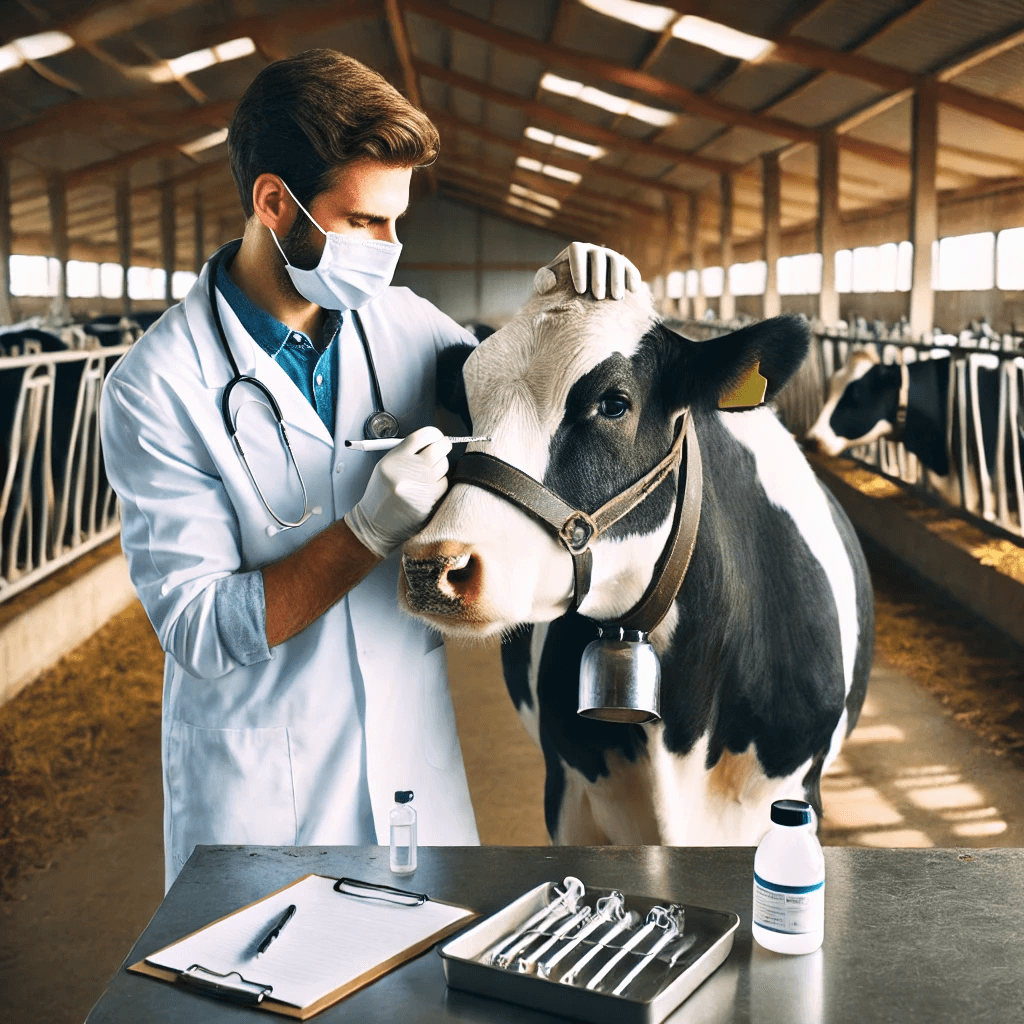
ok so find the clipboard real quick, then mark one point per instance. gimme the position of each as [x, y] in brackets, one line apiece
[254, 982]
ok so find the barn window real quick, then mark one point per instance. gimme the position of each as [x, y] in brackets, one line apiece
[1010, 259]
[800, 275]
[111, 280]
[675, 284]
[692, 283]
[967, 262]
[181, 282]
[83, 279]
[713, 279]
[34, 275]
[527, 163]
[748, 278]
[146, 282]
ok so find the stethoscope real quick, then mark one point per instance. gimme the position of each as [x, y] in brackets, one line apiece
[379, 424]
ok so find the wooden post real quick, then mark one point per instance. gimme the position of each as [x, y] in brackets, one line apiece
[58, 201]
[771, 200]
[6, 308]
[924, 213]
[697, 253]
[199, 248]
[478, 259]
[829, 228]
[727, 303]
[123, 214]
[677, 217]
[167, 235]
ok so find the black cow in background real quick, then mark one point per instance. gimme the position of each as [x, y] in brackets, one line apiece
[862, 407]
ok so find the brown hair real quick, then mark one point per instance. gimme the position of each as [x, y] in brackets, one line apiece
[304, 117]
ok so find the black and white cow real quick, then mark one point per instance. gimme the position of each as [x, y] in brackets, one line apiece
[766, 653]
[862, 403]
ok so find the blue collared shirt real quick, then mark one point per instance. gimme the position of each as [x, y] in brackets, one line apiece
[314, 372]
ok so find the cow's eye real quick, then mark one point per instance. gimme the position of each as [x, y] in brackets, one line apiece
[612, 406]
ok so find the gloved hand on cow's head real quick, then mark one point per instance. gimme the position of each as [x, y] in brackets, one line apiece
[610, 273]
[402, 491]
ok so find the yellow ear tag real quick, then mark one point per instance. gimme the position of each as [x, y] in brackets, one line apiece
[748, 393]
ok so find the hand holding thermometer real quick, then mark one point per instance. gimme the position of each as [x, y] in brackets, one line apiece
[384, 444]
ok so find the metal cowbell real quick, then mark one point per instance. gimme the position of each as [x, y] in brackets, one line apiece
[620, 679]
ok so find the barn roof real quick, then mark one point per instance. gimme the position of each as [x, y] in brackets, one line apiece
[92, 91]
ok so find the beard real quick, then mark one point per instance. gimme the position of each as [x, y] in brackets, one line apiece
[301, 249]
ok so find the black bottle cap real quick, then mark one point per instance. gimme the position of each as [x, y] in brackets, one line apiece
[791, 812]
[403, 796]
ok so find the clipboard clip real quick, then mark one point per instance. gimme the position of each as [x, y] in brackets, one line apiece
[378, 891]
[210, 983]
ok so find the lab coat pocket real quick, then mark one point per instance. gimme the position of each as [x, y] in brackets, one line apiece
[437, 717]
[229, 786]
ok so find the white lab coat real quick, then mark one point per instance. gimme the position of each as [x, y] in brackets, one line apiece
[249, 752]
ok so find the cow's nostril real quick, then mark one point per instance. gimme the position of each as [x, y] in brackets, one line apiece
[461, 575]
[441, 581]
[461, 578]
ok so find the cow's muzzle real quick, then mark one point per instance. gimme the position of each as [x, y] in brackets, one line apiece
[443, 579]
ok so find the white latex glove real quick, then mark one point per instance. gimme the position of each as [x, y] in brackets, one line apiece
[610, 272]
[403, 489]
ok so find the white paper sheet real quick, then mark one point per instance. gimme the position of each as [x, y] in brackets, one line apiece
[331, 940]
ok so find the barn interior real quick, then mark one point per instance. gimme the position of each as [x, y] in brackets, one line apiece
[857, 161]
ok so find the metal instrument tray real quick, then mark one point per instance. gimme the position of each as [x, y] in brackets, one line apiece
[465, 967]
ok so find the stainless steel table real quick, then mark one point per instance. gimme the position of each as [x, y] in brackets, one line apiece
[910, 935]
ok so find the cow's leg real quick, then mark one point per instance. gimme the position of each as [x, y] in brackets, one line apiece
[567, 808]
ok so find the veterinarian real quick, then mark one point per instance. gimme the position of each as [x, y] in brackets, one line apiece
[297, 699]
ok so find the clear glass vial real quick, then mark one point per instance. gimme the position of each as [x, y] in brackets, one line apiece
[403, 834]
[789, 882]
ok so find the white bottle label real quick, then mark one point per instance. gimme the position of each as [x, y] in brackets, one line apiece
[790, 909]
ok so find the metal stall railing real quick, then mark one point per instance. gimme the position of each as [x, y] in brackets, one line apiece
[984, 417]
[55, 501]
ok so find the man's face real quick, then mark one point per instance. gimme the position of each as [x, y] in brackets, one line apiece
[365, 201]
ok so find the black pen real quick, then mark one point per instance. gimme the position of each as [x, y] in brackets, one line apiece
[275, 931]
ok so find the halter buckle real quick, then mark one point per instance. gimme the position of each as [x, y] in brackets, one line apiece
[577, 532]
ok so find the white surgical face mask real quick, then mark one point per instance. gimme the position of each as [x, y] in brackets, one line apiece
[351, 271]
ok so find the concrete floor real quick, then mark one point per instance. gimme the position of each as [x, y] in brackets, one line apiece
[910, 776]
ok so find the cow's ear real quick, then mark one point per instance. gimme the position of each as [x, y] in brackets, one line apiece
[450, 388]
[740, 370]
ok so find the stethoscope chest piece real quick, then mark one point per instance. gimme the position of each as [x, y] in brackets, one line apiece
[379, 425]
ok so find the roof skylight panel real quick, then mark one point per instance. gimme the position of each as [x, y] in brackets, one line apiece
[35, 47]
[205, 142]
[586, 149]
[534, 208]
[528, 163]
[720, 38]
[694, 29]
[198, 60]
[537, 197]
[606, 100]
[647, 16]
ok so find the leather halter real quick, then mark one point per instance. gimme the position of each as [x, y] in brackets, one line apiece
[576, 530]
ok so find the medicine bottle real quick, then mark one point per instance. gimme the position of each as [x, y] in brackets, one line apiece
[789, 882]
[403, 834]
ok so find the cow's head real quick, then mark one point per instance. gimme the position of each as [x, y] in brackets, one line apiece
[861, 406]
[584, 396]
